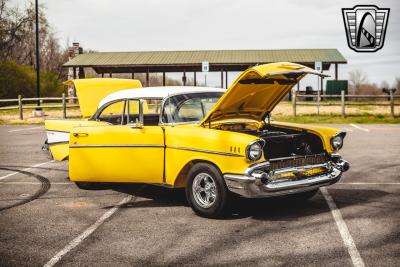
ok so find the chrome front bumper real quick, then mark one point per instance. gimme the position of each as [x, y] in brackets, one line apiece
[256, 184]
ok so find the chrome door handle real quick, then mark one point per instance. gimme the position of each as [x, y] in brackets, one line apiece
[81, 134]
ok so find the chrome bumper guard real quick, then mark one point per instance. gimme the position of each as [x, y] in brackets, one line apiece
[257, 184]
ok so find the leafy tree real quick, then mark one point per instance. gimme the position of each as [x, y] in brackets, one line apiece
[16, 80]
[17, 52]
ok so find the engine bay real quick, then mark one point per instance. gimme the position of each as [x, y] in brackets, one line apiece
[280, 142]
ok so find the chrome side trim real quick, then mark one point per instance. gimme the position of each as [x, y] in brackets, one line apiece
[115, 145]
[205, 151]
[58, 143]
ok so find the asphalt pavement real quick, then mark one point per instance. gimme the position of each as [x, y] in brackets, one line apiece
[46, 219]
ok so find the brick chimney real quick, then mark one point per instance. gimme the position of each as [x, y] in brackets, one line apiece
[74, 73]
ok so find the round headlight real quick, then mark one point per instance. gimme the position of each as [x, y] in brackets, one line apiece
[254, 151]
[337, 142]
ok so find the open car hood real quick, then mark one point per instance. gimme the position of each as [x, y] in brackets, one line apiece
[91, 91]
[257, 91]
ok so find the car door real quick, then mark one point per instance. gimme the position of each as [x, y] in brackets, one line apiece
[125, 150]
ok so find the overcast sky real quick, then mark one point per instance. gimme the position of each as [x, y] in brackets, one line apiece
[131, 25]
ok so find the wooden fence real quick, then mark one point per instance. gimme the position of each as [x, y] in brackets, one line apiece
[20, 104]
[344, 101]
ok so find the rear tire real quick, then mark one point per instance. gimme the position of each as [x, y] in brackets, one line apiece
[206, 191]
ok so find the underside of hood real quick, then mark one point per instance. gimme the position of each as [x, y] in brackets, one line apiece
[257, 91]
[91, 91]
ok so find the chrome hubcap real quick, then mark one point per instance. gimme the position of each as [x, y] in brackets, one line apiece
[204, 190]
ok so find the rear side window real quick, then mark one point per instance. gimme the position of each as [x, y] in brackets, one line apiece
[113, 113]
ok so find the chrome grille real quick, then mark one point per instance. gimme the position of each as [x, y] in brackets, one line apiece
[297, 161]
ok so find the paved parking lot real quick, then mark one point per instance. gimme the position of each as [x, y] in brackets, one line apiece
[45, 219]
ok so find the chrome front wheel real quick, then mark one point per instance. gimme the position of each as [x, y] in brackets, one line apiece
[204, 190]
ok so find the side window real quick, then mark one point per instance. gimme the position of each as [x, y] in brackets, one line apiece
[113, 113]
[191, 110]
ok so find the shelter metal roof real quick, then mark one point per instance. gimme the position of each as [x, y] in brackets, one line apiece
[161, 60]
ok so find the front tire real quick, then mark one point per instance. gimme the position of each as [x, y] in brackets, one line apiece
[206, 191]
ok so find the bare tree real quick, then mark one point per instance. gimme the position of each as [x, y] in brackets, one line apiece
[356, 79]
[17, 38]
[396, 85]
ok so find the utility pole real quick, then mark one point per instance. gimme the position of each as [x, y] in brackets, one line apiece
[37, 57]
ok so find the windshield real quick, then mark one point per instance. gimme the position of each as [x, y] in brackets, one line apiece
[188, 107]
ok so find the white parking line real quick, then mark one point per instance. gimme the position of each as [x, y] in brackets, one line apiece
[372, 183]
[359, 128]
[74, 243]
[343, 230]
[25, 129]
[32, 183]
[26, 169]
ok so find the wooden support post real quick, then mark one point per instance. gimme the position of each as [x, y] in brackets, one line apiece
[74, 72]
[336, 71]
[21, 113]
[133, 75]
[322, 86]
[391, 103]
[226, 79]
[64, 106]
[222, 78]
[298, 86]
[81, 73]
[318, 101]
[163, 78]
[194, 79]
[102, 75]
[184, 78]
[343, 103]
[110, 74]
[294, 102]
[147, 78]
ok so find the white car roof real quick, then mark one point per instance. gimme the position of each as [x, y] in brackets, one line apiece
[157, 92]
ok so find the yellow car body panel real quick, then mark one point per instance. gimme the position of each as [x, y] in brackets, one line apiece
[190, 143]
[117, 153]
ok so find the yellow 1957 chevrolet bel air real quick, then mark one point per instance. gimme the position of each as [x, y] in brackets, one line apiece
[213, 142]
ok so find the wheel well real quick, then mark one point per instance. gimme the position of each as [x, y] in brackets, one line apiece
[180, 181]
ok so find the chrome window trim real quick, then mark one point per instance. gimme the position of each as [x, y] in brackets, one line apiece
[205, 151]
[141, 112]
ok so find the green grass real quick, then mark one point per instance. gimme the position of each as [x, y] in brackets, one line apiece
[337, 119]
